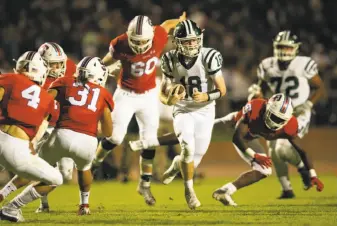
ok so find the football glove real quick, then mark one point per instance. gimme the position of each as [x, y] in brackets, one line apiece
[316, 182]
[262, 160]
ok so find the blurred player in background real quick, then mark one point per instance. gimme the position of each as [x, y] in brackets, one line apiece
[192, 81]
[25, 111]
[297, 77]
[138, 51]
[272, 119]
[83, 103]
[58, 65]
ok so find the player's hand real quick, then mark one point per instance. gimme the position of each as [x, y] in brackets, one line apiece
[254, 92]
[198, 96]
[316, 182]
[174, 97]
[263, 160]
[182, 17]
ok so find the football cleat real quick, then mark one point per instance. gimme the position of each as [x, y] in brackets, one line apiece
[223, 196]
[306, 179]
[11, 214]
[287, 195]
[172, 171]
[83, 210]
[146, 193]
[43, 208]
[191, 199]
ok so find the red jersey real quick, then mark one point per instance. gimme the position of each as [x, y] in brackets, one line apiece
[24, 104]
[253, 115]
[81, 107]
[138, 71]
[70, 71]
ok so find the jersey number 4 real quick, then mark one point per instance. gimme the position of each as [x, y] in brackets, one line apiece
[32, 94]
[291, 82]
[84, 97]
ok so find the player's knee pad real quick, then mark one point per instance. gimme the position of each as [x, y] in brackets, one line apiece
[67, 174]
[57, 179]
[264, 170]
[108, 144]
[148, 154]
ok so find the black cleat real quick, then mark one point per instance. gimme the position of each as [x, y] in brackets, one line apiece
[306, 179]
[287, 195]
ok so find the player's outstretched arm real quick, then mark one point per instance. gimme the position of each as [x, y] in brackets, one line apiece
[239, 141]
[308, 163]
[228, 118]
[172, 23]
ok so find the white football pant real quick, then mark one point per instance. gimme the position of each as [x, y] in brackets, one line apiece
[194, 131]
[16, 157]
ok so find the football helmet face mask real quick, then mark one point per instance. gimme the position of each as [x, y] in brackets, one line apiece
[279, 111]
[93, 70]
[140, 34]
[286, 46]
[55, 58]
[33, 66]
[188, 38]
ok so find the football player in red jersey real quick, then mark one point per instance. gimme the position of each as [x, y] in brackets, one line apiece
[83, 103]
[58, 66]
[25, 111]
[138, 50]
[271, 119]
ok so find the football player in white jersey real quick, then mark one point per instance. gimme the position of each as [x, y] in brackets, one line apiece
[297, 77]
[192, 81]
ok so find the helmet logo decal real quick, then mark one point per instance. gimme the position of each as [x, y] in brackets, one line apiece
[139, 25]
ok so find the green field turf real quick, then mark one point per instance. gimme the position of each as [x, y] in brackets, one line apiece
[115, 203]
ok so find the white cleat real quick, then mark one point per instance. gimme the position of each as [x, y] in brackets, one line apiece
[171, 172]
[42, 209]
[192, 200]
[146, 193]
[224, 197]
[83, 210]
[137, 145]
[11, 214]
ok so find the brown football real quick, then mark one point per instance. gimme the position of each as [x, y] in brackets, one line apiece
[180, 88]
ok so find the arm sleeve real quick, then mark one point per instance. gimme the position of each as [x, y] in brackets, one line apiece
[114, 46]
[310, 69]
[213, 60]
[291, 128]
[5, 82]
[167, 65]
[161, 36]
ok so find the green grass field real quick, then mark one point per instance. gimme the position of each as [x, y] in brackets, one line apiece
[113, 203]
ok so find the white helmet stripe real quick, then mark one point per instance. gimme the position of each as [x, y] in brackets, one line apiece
[190, 27]
[188, 32]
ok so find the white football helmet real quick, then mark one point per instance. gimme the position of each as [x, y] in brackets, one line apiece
[53, 53]
[279, 111]
[93, 70]
[33, 66]
[286, 46]
[140, 34]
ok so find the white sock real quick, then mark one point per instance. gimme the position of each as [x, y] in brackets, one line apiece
[189, 184]
[8, 189]
[230, 187]
[84, 197]
[44, 200]
[28, 195]
[300, 165]
[286, 185]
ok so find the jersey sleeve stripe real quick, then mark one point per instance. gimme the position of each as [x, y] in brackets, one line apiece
[213, 72]
[208, 53]
[210, 59]
[167, 62]
[314, 65]
[167, 75]
[306, 66]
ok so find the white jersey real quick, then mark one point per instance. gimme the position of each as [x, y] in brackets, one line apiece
[294, 81]
[196, 74]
